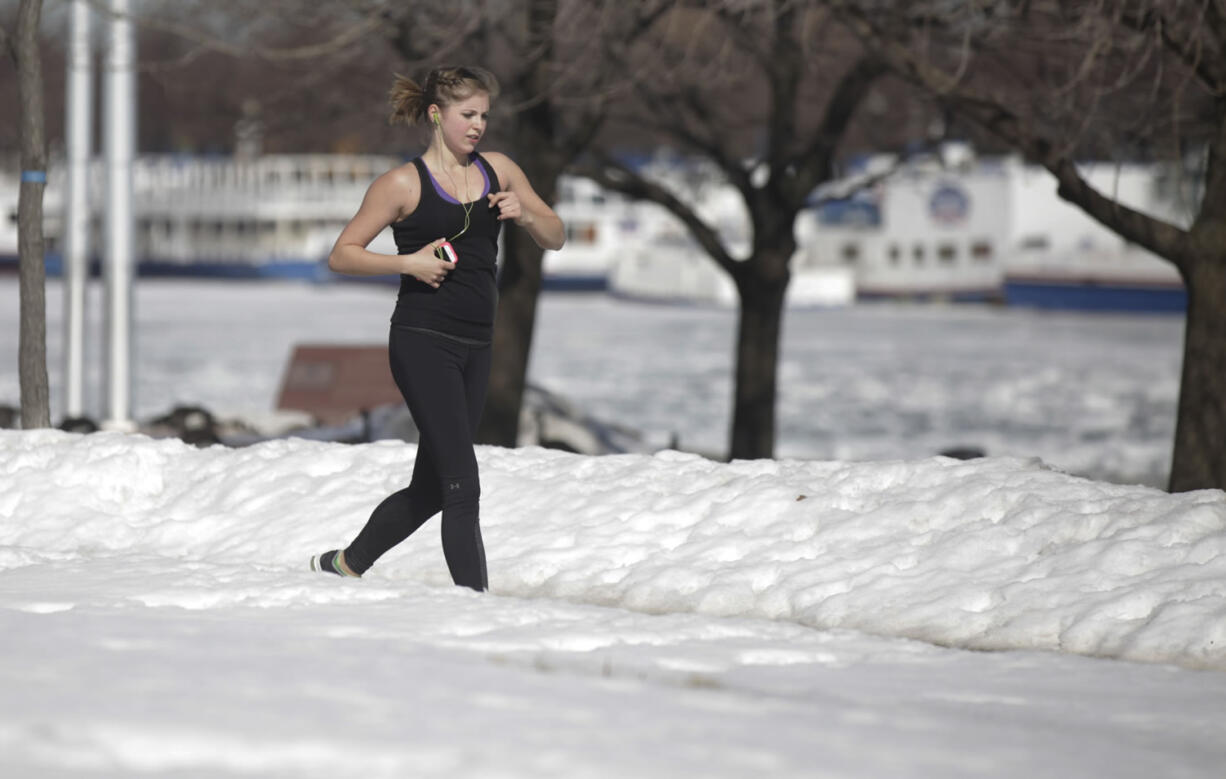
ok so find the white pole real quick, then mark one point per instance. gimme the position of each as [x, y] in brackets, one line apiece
[120, 141]
[76, 239]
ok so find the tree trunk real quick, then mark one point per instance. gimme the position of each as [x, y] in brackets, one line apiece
[514, 325]
[757, 355]
[1200, 429]
[32, 349]
[519, 284]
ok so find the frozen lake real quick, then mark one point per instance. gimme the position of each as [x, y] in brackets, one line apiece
[1094, 394]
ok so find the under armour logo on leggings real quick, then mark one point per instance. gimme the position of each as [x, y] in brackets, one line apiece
[453, 486]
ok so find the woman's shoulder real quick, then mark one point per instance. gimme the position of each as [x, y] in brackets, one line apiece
[400, 186]
[499, 161]
[503, 165]
[402, 177]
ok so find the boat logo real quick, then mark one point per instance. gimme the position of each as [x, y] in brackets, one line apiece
[949, 204]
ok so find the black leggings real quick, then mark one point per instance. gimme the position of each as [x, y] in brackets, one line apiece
[443, 381]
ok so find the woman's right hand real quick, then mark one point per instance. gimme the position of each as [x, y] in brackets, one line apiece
[424, 266]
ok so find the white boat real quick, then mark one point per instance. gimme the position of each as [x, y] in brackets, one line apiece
[662, 262]
[947, 227]
[271, 216]
[279, 215]
[959, 228]
[928, 230]
[599, 226]
[1061, 258]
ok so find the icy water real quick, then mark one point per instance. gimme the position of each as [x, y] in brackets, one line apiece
[1094, 394]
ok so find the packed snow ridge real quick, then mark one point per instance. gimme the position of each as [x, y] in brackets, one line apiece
[990, 554]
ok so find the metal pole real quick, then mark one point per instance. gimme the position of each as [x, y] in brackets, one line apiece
[120, 141]
[77, 212]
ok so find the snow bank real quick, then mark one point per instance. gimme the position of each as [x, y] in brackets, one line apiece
[987, 554]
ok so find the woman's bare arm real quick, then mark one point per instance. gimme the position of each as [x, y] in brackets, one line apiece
[520, 203]
[389, 198]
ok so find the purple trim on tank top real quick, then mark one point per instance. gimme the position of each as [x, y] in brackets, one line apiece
[443, 193]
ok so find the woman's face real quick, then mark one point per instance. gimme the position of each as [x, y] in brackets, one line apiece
[463, 122]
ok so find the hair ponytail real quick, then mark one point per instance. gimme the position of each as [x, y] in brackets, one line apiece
[442, 87]
[408, 101]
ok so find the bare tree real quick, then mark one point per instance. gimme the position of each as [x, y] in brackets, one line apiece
[32, 351]
[554, 89]
[742, 85]
[1059, 80]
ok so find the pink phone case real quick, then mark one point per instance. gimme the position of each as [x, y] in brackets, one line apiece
[449, 251]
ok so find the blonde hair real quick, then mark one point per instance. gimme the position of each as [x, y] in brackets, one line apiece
[443, 86]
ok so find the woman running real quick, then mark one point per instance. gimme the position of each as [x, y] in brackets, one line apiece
[445, 208]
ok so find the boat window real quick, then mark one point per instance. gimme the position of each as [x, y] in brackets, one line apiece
[895, 254]
[981, 251]
[583, 232]
[1035, 242]
[917, 253]
[851, 253]
[947, 253]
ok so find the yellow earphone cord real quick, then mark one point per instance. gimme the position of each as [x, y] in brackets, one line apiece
[465, 204]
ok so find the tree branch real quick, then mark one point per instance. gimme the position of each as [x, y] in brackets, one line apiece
[615, 176]
[691, 121]
[366, 25]
[1215, 11]
[849, 186]
[1156, 235]
[582, 136]
[1189, 52]
[816, 161]
[738, 31]
[6, 46]
[658, 104]
[783, 76]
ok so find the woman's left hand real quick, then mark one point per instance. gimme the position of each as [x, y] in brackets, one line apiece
[509, 207]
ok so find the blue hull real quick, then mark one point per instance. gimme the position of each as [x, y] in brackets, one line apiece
[1091, 296]
[950, 296]
[562, 283]
[301, 270]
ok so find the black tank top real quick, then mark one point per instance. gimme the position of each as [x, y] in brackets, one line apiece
[464, 304]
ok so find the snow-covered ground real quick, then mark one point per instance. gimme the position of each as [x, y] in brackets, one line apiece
[883, 613]
[650, 615]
